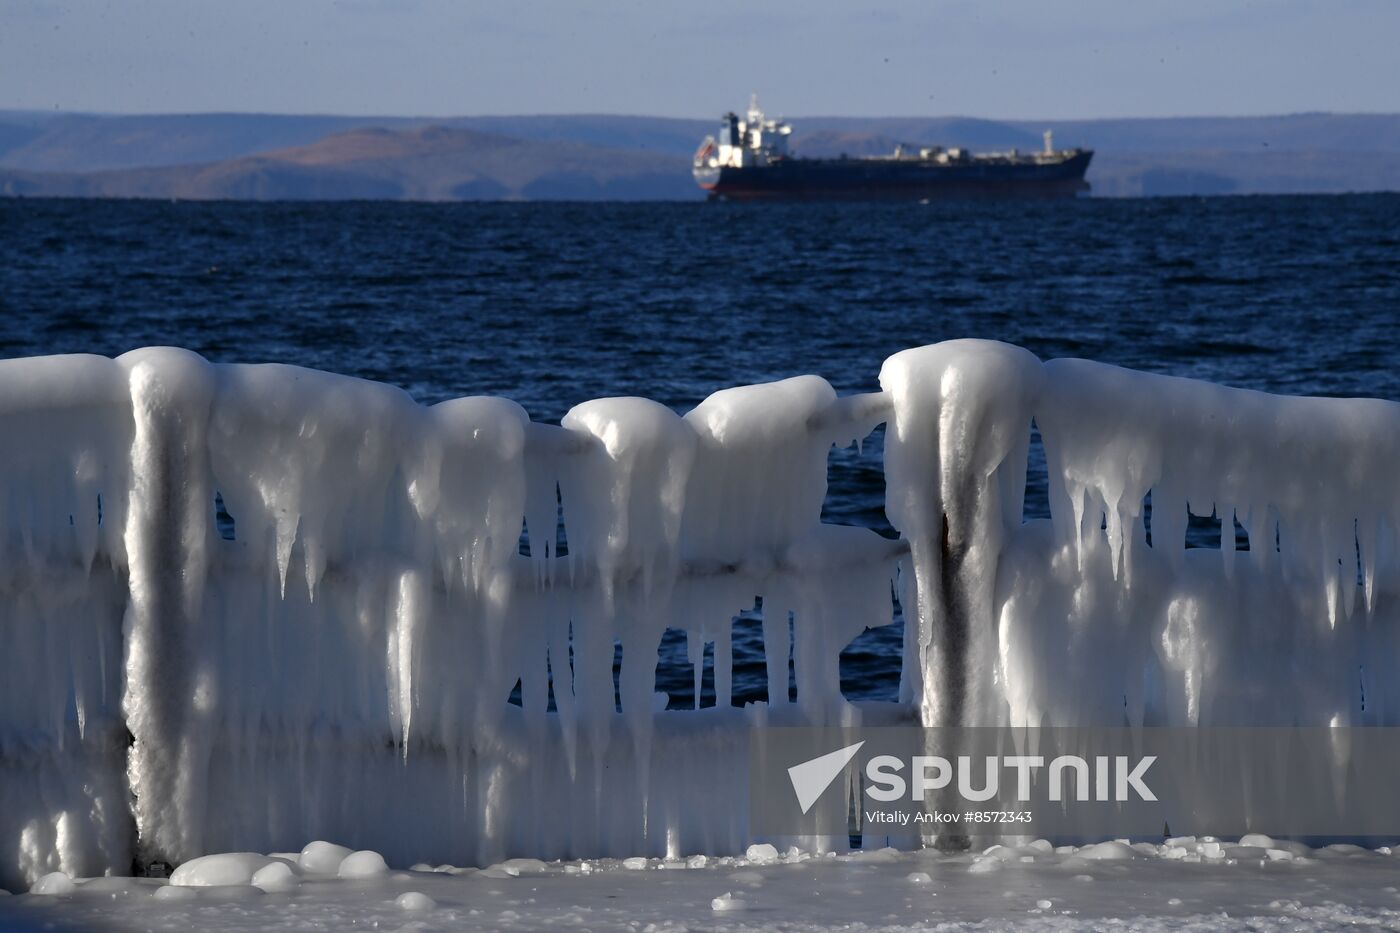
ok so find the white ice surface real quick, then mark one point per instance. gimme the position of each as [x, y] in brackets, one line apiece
[1196, 884]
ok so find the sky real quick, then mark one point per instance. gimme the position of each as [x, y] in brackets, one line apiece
[1008, 59]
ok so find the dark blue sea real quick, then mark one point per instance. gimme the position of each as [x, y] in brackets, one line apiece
[554, 304]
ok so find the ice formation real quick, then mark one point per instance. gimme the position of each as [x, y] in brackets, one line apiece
[339, 665]
[1190, 883]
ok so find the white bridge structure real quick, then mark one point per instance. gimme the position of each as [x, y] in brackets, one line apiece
[340, 668]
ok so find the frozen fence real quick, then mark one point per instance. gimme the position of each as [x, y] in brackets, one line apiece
[341, 666]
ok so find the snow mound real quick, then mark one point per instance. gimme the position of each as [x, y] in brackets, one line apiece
[322, 858]
[55, 882]
[225, 869]
[363, 864]
[277, 877]
[415, 902]
[516, 867]
[1107, 852]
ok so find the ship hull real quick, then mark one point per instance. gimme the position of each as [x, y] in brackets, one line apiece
[896, 180]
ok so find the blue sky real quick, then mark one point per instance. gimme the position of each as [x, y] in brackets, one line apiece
[1018, 58]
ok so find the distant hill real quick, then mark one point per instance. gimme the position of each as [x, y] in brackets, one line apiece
[430, 163]
[93, 143]
[1297, 171]
[629, 157]
[86, 143]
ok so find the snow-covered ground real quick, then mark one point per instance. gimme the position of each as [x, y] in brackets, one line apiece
[1186, 883]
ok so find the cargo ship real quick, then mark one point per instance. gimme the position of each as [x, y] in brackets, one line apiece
[750, 161]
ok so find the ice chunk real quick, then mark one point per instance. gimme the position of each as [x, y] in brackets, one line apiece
[322, 858]
[727, 901]
[470, 489]
[276, 876]
[55, 882]
[761, 853]
[223, 869]
[415, 902]
[760, 470]
[517, 867]
[623, 500]
[363, 864]
[1107, 851]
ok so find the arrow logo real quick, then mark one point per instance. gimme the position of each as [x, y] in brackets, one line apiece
[811, 778]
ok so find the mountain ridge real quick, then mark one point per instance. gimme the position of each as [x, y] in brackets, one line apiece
[261, 156]
[430, 163]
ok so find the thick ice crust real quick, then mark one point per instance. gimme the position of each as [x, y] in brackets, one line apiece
[358, 634]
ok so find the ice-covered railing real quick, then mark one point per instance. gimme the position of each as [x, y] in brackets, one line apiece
[1079, 621]
[340, 668]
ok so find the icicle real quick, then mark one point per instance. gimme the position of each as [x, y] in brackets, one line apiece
[1368, 539]
[776, 646]
[724, 663]
[286, 535]
[408, 617]
[559, 638]
[542, 515]
[695, 654]
[1227, 541]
